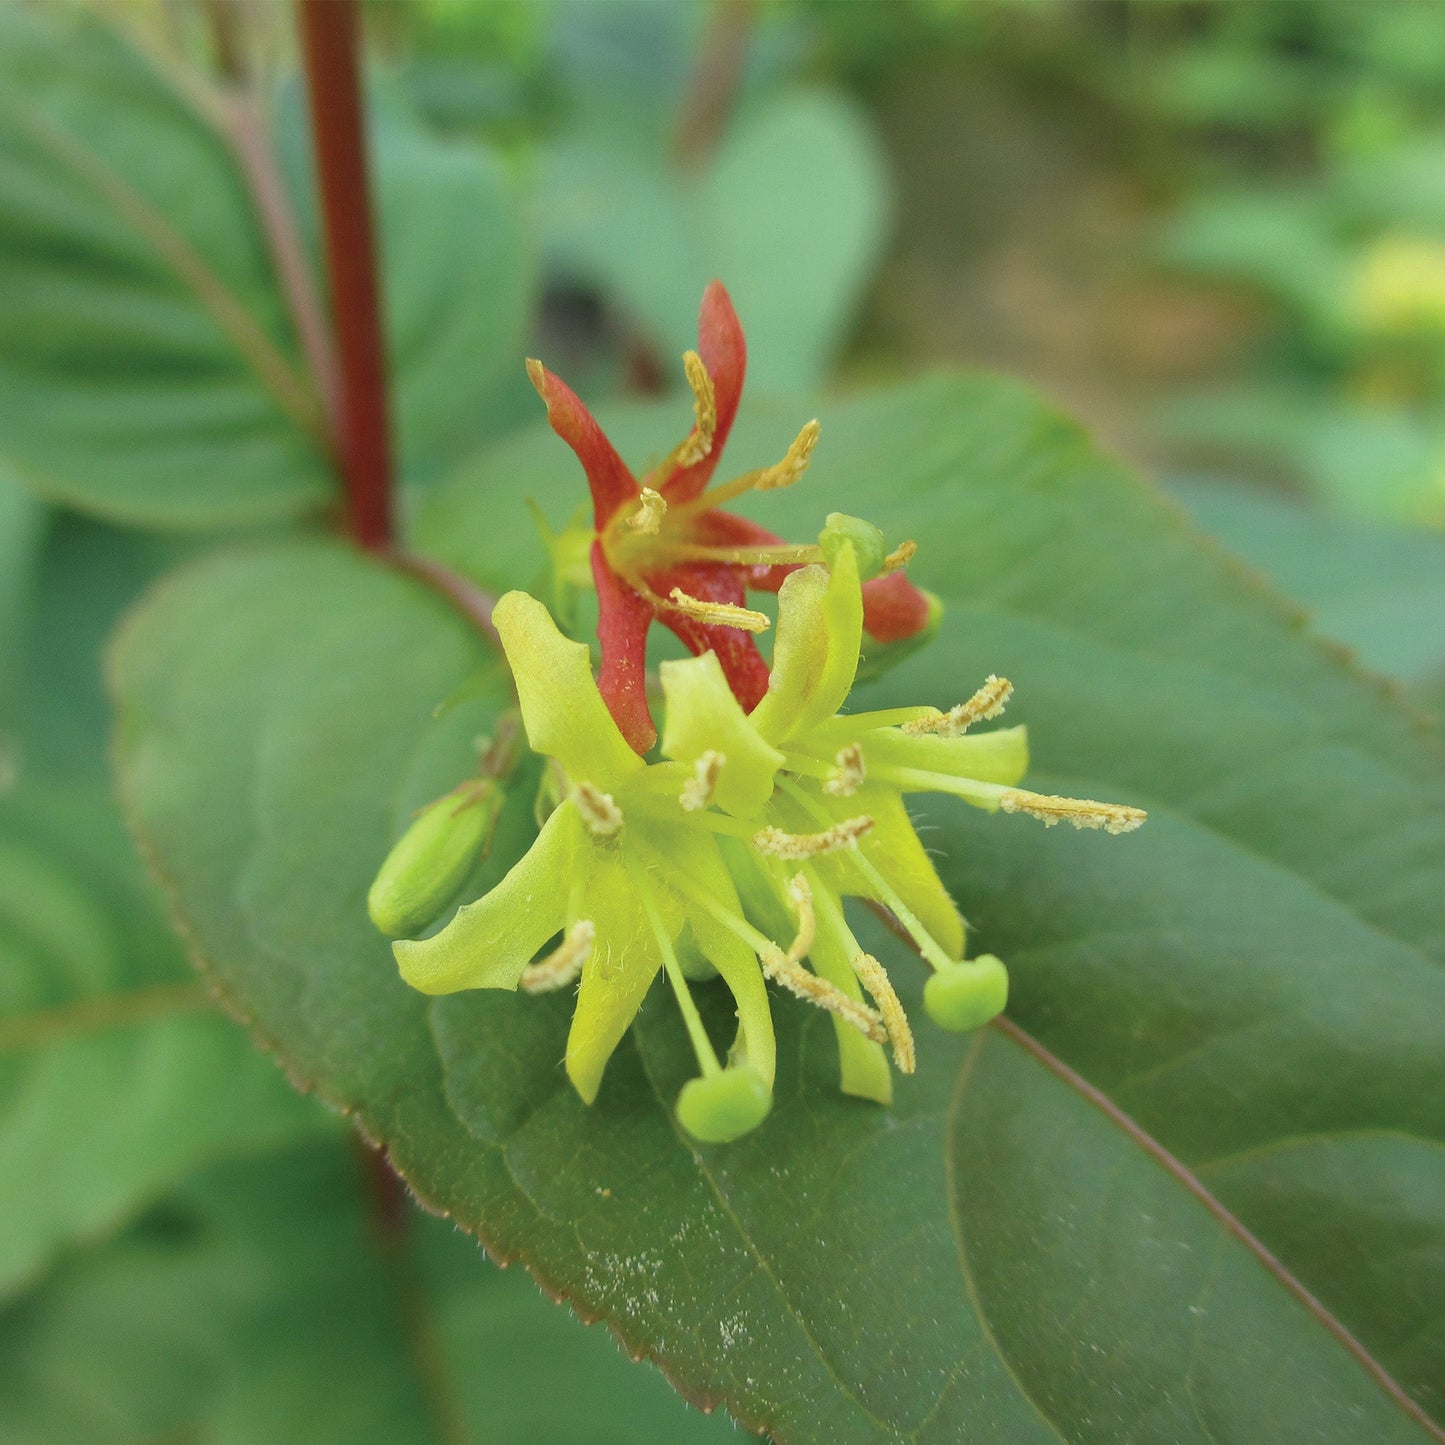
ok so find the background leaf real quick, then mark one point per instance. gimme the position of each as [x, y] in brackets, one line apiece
[1250, 990]
[792, 208]
[149, 372]
[1379, 590]
[148, 367]
[117, 1073]
[261, 1302]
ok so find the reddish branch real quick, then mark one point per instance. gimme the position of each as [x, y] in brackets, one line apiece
[330, 44]
[716, 79]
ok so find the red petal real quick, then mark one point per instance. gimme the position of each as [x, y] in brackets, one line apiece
[727, 529]
[623, 620]
[724, 352]
[608, 476]
[893, 608]
[742, 663]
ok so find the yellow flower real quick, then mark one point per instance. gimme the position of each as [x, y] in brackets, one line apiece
[733, 854]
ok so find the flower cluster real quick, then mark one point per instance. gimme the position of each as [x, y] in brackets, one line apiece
[733, 853]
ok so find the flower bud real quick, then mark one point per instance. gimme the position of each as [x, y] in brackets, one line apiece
[887, 615]
[868, 544]
[965, 996]
[432, 859]
[718, 1108]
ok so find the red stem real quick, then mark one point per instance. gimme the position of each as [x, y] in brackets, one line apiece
[330, 45]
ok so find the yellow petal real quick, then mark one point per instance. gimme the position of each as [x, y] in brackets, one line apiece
[562, 710]
[815, 657]
[490, 942]
[702, 715]
[615, 979]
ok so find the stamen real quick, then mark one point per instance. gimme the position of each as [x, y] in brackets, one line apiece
[692, 1020]
[765, 479]
[699, 444]
[1081, 812]
[797, 846]
[698, 790]
[900, 556]
[651, 508]
[719, 614]
[794, 463]
[811, 989]
[851, 772]
[564, 964]
[874, 978]
[885, 893]
[988, 702]
[599, 812]
[801, 897]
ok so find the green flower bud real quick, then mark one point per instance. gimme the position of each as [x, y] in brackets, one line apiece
[868, 544]
[877, 658]
[718, 1108]
[965, 996]
[431, 860]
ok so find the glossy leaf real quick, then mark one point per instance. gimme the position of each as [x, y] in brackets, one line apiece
[1192, 1192]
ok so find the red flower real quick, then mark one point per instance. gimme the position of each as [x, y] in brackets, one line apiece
[663, 549]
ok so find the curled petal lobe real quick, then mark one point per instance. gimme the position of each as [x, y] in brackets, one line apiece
[490, 942]
[608, 476]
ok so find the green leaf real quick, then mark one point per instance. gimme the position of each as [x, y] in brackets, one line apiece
[149, 370]
[265, 1301]
[1380, 590]
[791, 213]
[22, 527]
[1205, 1152]
[117, 1072]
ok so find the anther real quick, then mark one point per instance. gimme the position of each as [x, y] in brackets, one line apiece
[794, 464]
[801, 897]
[646, 519]
[874, 978]
[699, 444]
[1081, 812]
[599, 812]
[988, 702]
[564, 964]
[851, 772]
[797, 846]
[814, 990]
[698, 790]
[719, 614]
[900, 556]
